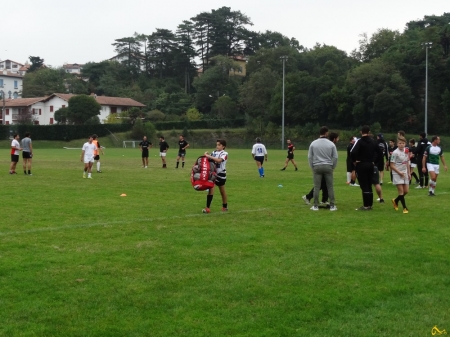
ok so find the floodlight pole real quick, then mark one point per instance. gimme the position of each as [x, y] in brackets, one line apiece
[427, 46]
[283, 58]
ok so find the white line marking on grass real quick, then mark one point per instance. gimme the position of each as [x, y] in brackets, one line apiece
[99, 224]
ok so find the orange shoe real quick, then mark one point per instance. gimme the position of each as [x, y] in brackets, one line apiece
[395, 204]
[206, 210]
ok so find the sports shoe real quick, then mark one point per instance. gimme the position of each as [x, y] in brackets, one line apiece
[431, 194]
[206, 210]
[145, 166]
[84, 175]
[355, 184]
[333, 208]
[99, 172]
[381, 201]
[314, 208]
[395, 204]
[362, 208]
[306, 200]
[296, 169]
[29, 174]
[419, 186]
[89, 177]
[284, 168]
[262, 176]
[224, 209]
[405, 211]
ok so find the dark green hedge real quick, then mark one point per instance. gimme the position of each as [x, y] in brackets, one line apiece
[63, 132]
[203, 124]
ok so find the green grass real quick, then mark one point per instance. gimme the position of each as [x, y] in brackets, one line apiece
[79, 260]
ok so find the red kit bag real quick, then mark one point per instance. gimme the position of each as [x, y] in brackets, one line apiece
[203, 174]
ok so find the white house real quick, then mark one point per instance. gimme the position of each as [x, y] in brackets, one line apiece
[10, 66]
[10, 84]
[74, 68]
[42, 109]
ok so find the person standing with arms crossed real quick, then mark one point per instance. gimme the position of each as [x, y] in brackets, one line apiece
[431, 159]
[183, 145]
[322, 158]
[259, 154]
[144, 146]
[364, 155]
[290, 156]
[423, 174]
[27, 153]
[15, 150]
[87, 156]
[163, 148]
[97, 152]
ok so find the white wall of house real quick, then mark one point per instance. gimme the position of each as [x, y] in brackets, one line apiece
[10, 66]
[11, 85]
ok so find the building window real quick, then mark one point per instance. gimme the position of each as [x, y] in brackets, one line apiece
[36, 122]
[39, 111]
[63, 106]
[7, 122]
[51, 108]
[113, 109]
[15, 85]
[15, 95]
[14, 66]
[51, 120]
[7, 112]
[1, 82]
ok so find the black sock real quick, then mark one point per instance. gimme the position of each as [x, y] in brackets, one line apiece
[29, 171]
[209, 199]
[225, 205]
[182, 164]
[415, 176]
[24, 171]
[178, 163]
[402, 200]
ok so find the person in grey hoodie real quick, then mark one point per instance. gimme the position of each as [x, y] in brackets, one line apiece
[322, 158]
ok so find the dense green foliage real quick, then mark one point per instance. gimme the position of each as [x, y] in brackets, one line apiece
[382, 81]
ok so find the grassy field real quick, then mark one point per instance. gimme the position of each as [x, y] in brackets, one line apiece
[79, 260]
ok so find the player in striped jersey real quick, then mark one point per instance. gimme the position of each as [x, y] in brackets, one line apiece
[220, 157]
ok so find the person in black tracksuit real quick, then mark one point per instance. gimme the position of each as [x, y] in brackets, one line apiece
[421, 147]
[364, 155]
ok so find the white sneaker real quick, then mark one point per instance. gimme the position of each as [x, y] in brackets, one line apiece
[314, 208]
[333, 208]
[306, 200]
[326, 203]
[355, 184]
[84, 175]
[419, 186]
[146, 167]
[378, 199]
[89, 177]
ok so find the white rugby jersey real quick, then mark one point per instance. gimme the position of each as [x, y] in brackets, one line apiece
[222, 166]
[259, 150]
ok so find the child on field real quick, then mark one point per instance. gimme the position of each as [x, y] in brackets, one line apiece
[401, 172]
[220, 157]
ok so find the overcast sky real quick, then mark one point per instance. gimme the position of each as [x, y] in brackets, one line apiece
[81, 31]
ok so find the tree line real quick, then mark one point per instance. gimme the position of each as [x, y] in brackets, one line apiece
[382, 81]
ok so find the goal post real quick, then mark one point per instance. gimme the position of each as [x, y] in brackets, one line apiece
[131, 143]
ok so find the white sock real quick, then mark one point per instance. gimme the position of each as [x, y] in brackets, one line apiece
[98, 166]
[349, 176]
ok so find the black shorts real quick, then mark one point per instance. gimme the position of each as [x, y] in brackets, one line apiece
[350, 166]
[182, 154]
[97, 157]
[14, 158]
[26, 155]
[290, 156]
[144, 153]
[260, 159]
[376, 175]
[221, 179]
[380, 165]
